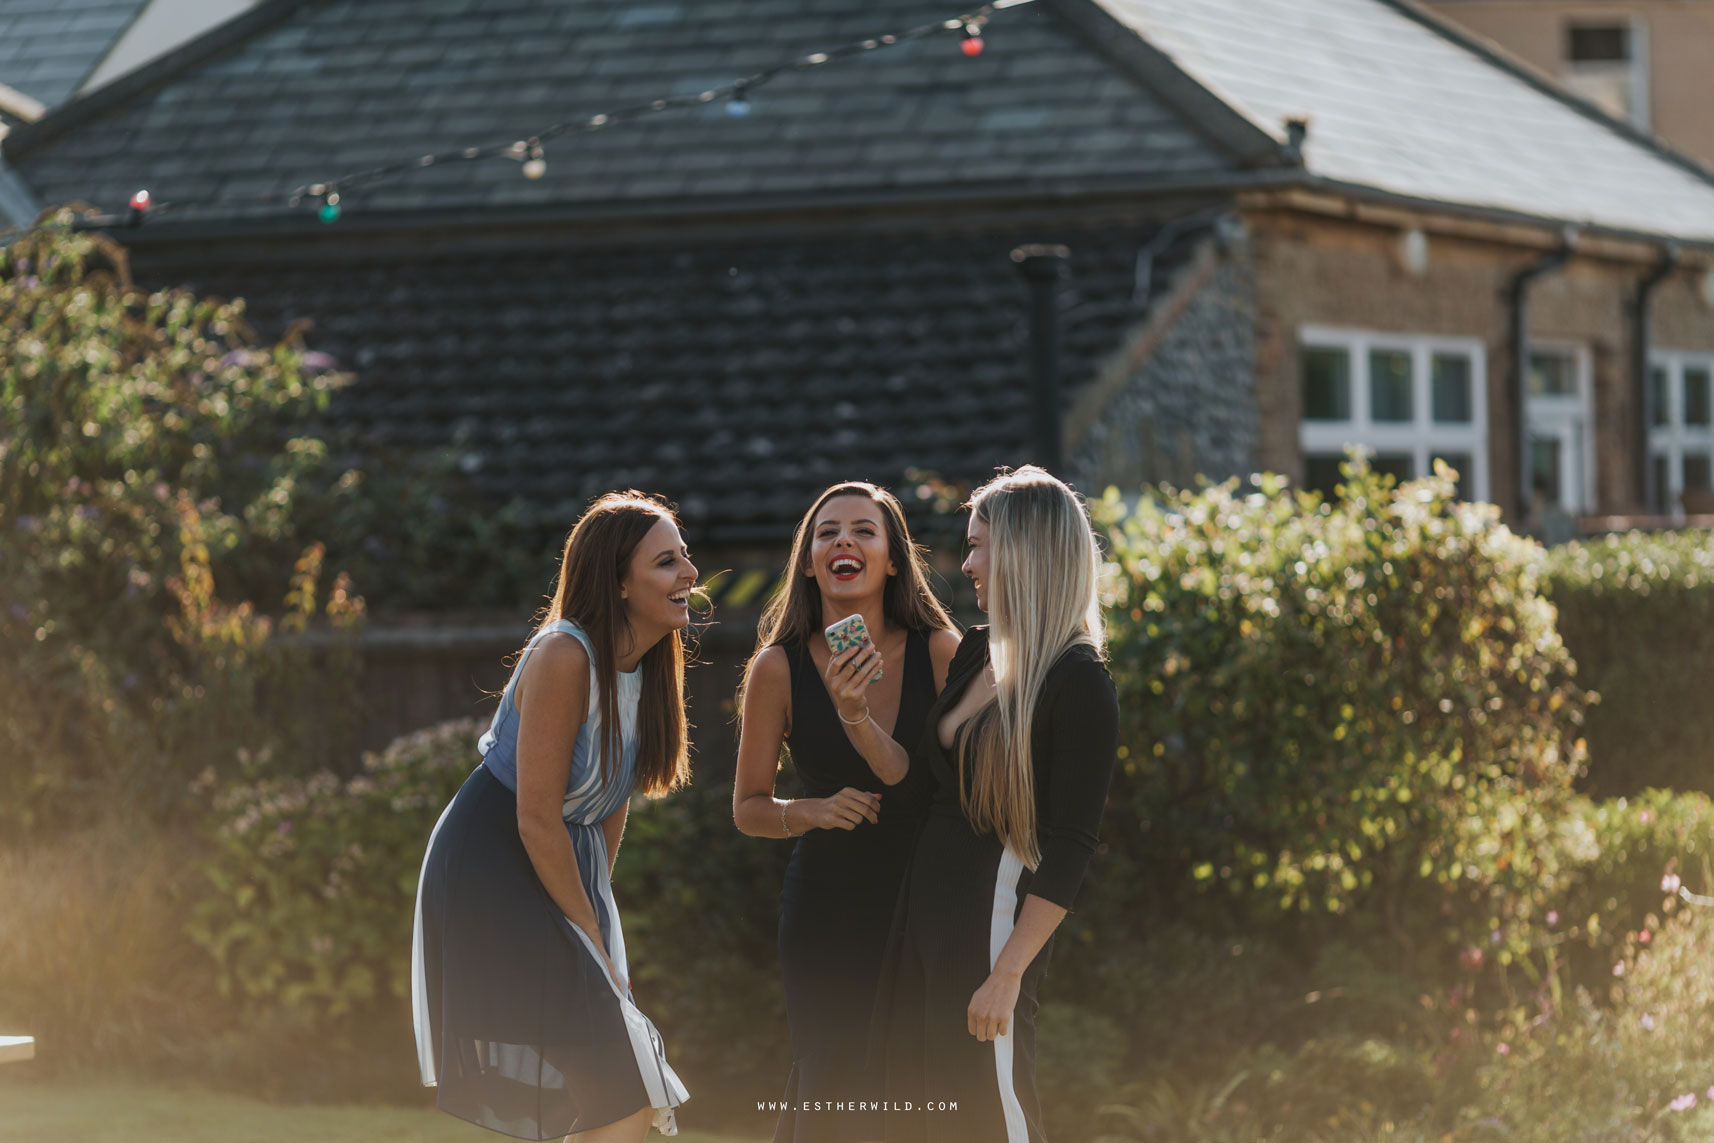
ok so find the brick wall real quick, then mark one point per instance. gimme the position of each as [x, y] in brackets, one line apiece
[1311, 269]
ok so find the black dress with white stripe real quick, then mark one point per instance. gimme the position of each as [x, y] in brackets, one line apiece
[962, 896]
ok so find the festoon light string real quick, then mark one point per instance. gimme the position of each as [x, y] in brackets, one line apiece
[329, 194]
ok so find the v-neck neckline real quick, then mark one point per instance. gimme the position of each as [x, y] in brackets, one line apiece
[904, 688]
[950, 698]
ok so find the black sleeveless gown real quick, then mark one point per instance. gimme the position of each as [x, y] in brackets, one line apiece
[837, 905]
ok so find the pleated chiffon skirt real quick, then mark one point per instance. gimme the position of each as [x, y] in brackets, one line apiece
[519, 1027]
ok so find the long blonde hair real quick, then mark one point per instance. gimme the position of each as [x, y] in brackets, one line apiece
[597, 556]
[793, 615]
[1043, 564]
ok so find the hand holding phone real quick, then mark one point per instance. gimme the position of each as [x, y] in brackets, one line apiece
[848, 633]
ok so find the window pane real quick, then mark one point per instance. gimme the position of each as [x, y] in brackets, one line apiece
[1553, 375]
[1661, 410]
[1598, 43]
[1698, 474]
[1461, 463]
[1544, 470]
[1321, 474]
[1389, 386]
[1696, 402]
[1326, 384]
[1451, 389]
[1396, 465]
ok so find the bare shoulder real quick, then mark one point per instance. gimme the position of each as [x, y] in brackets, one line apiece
[559, 664]
[942, 648]
[771, 673]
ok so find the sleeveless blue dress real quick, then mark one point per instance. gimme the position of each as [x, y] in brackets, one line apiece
[519, 1028]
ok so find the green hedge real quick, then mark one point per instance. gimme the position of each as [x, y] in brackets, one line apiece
[1637, 613]
[1358, 707]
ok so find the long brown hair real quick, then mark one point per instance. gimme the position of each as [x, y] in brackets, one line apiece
[597, 556]
[793, 615]
[1044, 561]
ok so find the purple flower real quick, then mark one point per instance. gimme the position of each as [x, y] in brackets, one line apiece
[20, 612]
[239, 357]
[1684, 1102]
[27, 523]
[89, 512]
[316, 361]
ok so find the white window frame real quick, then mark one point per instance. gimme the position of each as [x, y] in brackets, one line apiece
[1571, 418]
[1421, 439]
[1675, 439]
[1584, 76]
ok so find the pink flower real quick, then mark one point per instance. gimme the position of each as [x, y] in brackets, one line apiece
[1643, 937]
[1646, 817]
[1711, 1091]
[1505, 1049]
[1670, 883]
[1684, 1102]
[1619, 969]
[1552, 917]
[1647, 1022]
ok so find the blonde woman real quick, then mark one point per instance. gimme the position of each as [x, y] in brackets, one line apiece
[1021, 745]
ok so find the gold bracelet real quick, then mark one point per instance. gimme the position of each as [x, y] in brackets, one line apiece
[783, 824]
[849, 721]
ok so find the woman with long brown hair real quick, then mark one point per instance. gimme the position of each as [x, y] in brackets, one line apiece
[520, 983]
[1021, 745]
[843, 716]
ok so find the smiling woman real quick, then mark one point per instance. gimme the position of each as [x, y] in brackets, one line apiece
[520, 984]
[848, 717]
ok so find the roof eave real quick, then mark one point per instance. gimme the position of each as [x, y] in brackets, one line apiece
[81, 109]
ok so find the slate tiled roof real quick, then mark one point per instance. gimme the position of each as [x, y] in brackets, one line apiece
[1400, 102]
[737, 376]
[48, 47]
[334, 85]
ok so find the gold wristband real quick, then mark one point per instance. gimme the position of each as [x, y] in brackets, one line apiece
[852, 721]
[783, 824]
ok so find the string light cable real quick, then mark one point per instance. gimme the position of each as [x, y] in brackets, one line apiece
[329, 195]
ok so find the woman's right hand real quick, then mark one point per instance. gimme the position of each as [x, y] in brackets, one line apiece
[844, 810]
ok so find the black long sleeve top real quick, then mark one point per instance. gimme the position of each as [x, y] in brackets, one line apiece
[1073, 745]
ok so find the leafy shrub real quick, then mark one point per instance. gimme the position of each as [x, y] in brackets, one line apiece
[1358, 706]
[132, 431]
[1633, 1065]
[1637, 612]
[313, 880]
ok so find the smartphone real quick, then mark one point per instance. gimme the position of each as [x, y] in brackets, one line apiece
[850, 632]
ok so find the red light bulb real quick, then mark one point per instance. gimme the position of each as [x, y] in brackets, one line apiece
[972, 45]
[140, 201]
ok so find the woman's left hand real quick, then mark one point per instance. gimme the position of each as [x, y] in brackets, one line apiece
[848, 676]
[990, 1012]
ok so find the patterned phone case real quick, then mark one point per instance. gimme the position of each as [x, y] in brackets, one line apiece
[850, 632]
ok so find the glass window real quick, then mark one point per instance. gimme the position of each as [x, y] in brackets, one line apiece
[1660, 409]
[1451, 384]
[1390, 386]
[1598, 43]
[1553, 375]
[1544, 469]
[1460, 463]
[1326, 384]
[1321, 474]
[1396, 465]
[1698, 474]
[1696, 396]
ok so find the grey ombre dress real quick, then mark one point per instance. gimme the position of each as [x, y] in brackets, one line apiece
[518, 1024]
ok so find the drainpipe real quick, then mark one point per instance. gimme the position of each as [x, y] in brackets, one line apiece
[1043, 267]
[1641, 343]
[1518, 296]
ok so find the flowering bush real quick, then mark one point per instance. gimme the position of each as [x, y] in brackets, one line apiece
[313, 879]
[1637, 611]
[1359, 706]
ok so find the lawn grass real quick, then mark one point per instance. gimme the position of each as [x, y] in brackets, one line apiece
[121, 1112]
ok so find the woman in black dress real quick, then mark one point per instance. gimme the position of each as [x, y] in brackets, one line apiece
[1021, 745]
[852, 555]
